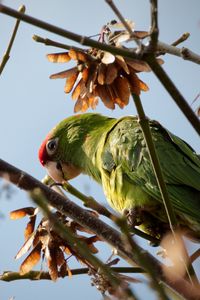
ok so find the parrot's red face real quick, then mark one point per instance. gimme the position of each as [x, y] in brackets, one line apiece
[58, 170]
[46, 152]
[43, 154]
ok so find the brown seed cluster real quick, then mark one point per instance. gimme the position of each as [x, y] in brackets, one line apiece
[99, 74]
[44, 242]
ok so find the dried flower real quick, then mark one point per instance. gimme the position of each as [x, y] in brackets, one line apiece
[44, 242]
[100, 74]
[101, 282]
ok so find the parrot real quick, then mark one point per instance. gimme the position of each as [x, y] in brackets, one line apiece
[113, 152]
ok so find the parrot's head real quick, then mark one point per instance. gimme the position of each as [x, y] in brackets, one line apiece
[68, 149]
[57, 153]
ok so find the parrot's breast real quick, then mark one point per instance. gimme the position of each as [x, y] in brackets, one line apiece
[121, 193]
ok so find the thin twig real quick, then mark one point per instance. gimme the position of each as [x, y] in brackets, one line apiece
[162, 48]
[174, 92]
[40, 275]
[123, 21]
[151, 148]
[83, 40]
[183, 52]
[155, 162]
[195, 255]
[49, 42]
[181, 39]
[119, 15]
[144, 123]
[87, 200]
[154, 26]
[6, 56]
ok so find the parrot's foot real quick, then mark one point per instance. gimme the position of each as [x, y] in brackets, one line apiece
[135, 216]
[147, 223]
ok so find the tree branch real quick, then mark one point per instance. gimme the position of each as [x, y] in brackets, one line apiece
[154, 26]
[144, 123]
[65, 206]
[101, 229]
[40, 275]
[174, 92]
[6, 56]
[83, 40]
[88, 201]
[48, 42]
[183, 52]
[88, 41]
[181, 39]
[123, 21]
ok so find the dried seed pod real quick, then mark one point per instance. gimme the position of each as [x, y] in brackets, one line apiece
[100, 74]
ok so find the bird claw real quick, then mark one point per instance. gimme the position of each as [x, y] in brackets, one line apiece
[134, 216]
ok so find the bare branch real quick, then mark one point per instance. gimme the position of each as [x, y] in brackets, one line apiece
[104, 231]
[67, 207]
[87, 200]
[41, 275]
[122, 19]
[174, 92]
[181, 39]
[83, 40]
[154, 26]
[36, 275]
[88, 41]
[7, 53]
[183, 52]
[49, 42]
[119, 15]
[144, 122]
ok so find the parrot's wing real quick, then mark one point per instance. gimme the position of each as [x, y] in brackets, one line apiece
[125, 146]
[179, 162]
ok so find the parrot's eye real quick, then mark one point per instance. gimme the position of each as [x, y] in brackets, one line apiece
[51, 146]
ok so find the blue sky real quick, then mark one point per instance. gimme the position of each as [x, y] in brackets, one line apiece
[31, 104]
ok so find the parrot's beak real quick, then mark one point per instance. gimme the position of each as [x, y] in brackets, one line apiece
[60, 172]
[54, 171]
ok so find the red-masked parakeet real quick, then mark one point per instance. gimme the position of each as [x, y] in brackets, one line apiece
[114, 153]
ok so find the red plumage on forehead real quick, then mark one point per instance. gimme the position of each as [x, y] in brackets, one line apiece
[42, 153]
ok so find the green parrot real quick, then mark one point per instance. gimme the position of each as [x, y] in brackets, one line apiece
[114, 153]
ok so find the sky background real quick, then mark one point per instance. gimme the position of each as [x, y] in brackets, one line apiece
[31, 104]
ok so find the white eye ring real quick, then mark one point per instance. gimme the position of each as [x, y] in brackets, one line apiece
[51, 146]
